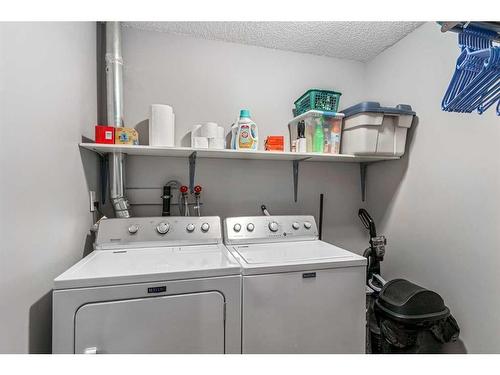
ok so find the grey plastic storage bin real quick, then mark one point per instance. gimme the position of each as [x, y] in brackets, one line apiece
[370, 129]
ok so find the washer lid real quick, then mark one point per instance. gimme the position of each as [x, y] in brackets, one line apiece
[293, 256]
[108, 267]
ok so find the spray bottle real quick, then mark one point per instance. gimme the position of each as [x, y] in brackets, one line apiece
[318, 137]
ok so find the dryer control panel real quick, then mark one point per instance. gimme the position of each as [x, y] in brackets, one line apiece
[158, 231]
[262, 229]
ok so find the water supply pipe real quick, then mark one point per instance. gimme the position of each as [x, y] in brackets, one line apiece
[114, 106]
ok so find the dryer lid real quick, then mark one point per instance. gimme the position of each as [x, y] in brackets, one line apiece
[105, 267]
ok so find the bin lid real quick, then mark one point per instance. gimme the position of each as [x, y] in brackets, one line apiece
[316, 113]
[406, 302]
[400, 109]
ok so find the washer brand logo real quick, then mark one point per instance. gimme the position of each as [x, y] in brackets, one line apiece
[157, 289]
[309, 275]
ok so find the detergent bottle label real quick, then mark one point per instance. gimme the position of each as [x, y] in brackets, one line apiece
[245, 138]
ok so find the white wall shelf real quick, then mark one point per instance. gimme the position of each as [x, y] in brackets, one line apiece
[184, 152]
[192, 154]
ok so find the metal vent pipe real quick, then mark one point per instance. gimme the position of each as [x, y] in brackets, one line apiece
[114, 104]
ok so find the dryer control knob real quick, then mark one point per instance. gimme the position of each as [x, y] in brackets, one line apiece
[133, 229]
[295, 225]
[163, 228]
[237, 227]
[307, 225]
[250, 227]
[273, 226]
[190, 227]
[205, 227]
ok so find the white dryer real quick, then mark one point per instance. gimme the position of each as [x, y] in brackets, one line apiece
[152, 285]
[300, 294]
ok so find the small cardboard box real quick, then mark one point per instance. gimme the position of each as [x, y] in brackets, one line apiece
[275, 143]
[104, 134]
[126, 136]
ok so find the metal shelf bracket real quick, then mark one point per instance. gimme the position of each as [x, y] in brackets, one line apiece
[192, 170]
[295, 167]
[362, 170]
[295, 178]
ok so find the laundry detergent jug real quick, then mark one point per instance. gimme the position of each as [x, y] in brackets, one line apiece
[246, 133]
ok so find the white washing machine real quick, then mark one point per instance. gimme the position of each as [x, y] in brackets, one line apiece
[299, 294]
[152, 285]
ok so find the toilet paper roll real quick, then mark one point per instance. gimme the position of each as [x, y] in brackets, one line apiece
[200, 142]
[161, 125]
[221, 132]
[209, 130]
[216, 143]
[195, 132]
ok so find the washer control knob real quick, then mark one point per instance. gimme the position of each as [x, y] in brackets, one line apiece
[133, 229]
[295, 225]
[190, 228]
[250, 227]
[163, 228]
[237, 227]
[205, 227]
[307, 225]
[273, 226]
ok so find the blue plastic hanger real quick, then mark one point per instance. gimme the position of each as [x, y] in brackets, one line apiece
[475, 84]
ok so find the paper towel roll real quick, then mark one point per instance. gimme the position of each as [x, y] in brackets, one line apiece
[196, 130]
[162, 125]
[209, 130]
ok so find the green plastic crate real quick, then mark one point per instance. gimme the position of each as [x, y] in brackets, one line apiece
[321, 100]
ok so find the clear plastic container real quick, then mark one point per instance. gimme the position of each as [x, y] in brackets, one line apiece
[321, 129]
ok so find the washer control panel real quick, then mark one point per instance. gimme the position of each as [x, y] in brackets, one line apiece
[261, 229]
[158, 231]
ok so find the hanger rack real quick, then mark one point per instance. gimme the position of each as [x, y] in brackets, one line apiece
[459, 27]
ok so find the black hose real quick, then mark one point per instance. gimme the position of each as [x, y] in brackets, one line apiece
[367, 252]
[166, 200]
[368, 255]
[321, 216]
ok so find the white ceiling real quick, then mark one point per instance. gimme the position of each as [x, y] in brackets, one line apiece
[359, 41]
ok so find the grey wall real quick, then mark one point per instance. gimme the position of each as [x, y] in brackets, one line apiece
[47, 101]
[211, 81]
[439, 206]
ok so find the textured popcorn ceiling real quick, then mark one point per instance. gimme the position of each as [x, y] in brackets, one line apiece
[360, 41]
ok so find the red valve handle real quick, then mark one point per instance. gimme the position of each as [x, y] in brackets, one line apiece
[184, 189]
[197, 189]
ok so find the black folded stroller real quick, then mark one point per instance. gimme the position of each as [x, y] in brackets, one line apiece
[403, 317]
